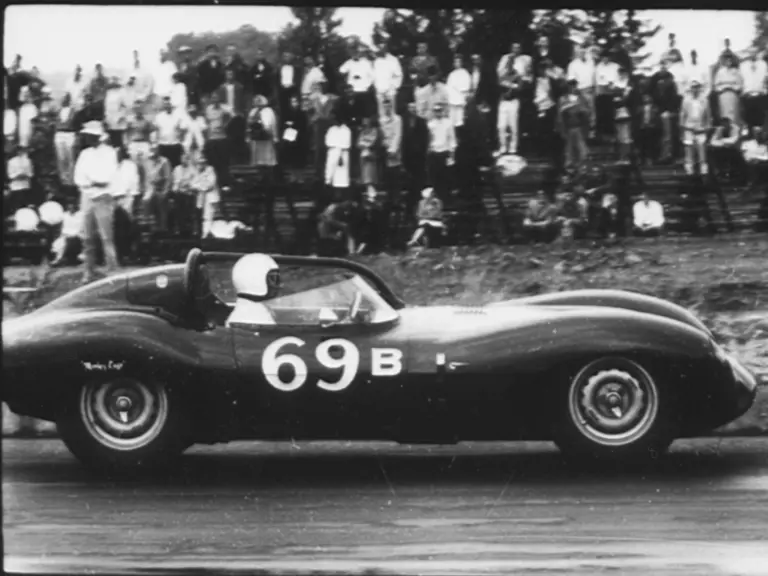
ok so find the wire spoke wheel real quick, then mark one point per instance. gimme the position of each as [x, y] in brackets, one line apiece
[124, 414]
[613, 404]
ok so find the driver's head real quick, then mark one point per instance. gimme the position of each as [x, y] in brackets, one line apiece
[256, 276]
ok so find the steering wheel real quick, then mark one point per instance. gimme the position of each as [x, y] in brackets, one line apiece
[354, 308]
[192, 277]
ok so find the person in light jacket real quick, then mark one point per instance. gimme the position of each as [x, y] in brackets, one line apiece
[695, 123]
[458, 84]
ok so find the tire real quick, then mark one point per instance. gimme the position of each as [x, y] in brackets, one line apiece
[613, 409]
[124, 421]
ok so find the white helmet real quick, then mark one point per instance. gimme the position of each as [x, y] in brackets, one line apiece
[26, 220]
[256, 276]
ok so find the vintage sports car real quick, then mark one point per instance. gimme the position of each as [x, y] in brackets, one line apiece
[136, 368]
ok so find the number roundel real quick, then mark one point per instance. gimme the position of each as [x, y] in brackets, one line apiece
[271, 363]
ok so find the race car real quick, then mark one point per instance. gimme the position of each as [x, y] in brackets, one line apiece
[136, 368]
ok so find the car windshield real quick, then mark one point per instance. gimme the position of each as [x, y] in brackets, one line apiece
[332, 303]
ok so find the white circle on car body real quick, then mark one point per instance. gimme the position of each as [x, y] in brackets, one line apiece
[162, 281]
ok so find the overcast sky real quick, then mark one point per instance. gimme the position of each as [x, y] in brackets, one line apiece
[55, 37]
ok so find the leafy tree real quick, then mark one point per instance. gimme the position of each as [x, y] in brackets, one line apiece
[247, 39]
[315, 31]
[620, 34]
[761, 31]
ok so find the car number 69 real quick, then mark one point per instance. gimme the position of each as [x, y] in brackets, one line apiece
[385, 362]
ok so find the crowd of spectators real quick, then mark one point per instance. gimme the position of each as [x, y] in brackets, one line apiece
[386, 139]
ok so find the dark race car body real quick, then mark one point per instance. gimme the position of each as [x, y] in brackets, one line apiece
[143, 365]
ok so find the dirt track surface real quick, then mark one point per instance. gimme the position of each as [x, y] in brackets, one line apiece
[483, 508]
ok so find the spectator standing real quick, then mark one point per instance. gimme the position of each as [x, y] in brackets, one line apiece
[205, 186]
[262, 77]
[184, 197]
[69, 244]
[697, 71]
[724, 151]
[92, 111]
[672, 54]
[163, 79]
[729, 85]
[754, 98]
[392, 137]
[294, 135]
[216, 149]
[338, 141]
[582, 68]
[263, 133]
[19, 172]
[727, 53]
[98, 84]
[539, 221]
[194, 133]
[388, 76]
[458, 85]
[415, 143]
[188, 72]
[138, 135]
[695, 123]
[76, 87]
[145, 81]
[434, 93]
[16, 81]
[322, 105]
[168, 128]
[358, 73]
[624, 114]
[573, 126]
[647, 217]
[42, 152]
[94, 173]
[429, 217]
[482, 84]
[664, 90]
[310, 83]
[571, 216]
[233, 97]
[510, 88]
[234, 62]
[155, 201]
[27, 112]
[65, 141]
[606, 77]
[125, 192]
[423, 65]
[179, 96]
[545, 98]
[210, 74]
[289, 83]
[115, 112]
[442, 150]
[649, 131]
[131, 93]
[368, 142]
[10, 130]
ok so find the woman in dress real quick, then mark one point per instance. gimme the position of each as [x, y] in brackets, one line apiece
[262, 133]
[729, 84]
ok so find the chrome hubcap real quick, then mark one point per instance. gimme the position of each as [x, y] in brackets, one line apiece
[124, 414]
[614, 407]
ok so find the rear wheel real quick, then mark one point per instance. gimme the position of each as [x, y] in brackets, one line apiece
[124, 421]
[614, 409]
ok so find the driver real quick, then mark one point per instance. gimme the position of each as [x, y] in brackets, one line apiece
[256, 278]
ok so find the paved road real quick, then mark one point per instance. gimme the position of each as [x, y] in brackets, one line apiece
[466, 509]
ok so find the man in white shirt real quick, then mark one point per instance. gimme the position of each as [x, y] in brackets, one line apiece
[458, 85]
[310, 84]
[94, 173]
[169, 127]
[582, 68]
[194, 132]
[358, 72]
[648, 217]
[753, 99]
[522, 62]
[76, 87]
[388, 77]
[163, 78]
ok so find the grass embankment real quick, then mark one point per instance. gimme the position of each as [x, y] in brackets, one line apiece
[723, 280]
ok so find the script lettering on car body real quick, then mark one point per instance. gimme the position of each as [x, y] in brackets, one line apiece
[385, 362]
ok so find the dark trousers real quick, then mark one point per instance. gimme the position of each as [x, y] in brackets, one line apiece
[754, 109]
[182, 214]
[172, 152]
[365, 105]
[648, 144]
[540, 233]
[124, 234]
[217, 152]
[115, 138]
[439, 173]
[604, 114]
[236, 136]
[550, 144]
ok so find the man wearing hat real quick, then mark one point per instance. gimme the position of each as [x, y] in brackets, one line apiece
[95, 171]
[115, 111]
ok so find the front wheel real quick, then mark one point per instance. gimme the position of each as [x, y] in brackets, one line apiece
[614, 409]
[123, 422]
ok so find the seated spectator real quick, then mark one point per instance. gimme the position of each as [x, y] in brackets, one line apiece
[294, 135]
[442, 150]
[571, 216]
[184, 197]
[609, 222]
[368, 142]
[648, 217]
[754, 150]
[649, 131]
[204, 186]
[370, 225]
[19, 173]
[338, 141]
[539, 223]
[724, 150]
[262, 133]
[69, 244]
[333, 229]
[429, 216]
[695, 123]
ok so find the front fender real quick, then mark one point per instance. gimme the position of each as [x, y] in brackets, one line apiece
[614, 299]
